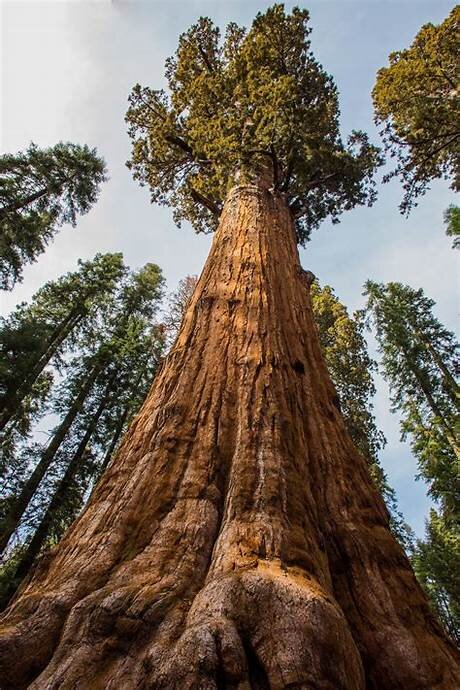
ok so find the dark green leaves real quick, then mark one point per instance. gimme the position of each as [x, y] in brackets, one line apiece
[255, 99]
[40, 190]
[416, 100]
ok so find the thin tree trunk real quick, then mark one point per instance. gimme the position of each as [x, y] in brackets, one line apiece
[450, 434]
[13, 399]
[115, 439]
[35, 196]
[41, 533]
[12, 519]
[450, 385]
[237, 539]
[23, 202]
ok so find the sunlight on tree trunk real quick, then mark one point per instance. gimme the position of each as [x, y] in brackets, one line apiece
[237, 540]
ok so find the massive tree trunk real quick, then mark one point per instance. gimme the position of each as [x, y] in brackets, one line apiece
[237, 539]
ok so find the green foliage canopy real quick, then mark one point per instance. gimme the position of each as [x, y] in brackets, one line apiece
[416, 99]
[40, 190]
[255, 99]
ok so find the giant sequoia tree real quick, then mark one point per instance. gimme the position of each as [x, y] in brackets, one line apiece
[237, 540]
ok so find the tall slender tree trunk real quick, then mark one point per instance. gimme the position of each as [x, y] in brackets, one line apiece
[42, 532]
[25, 201]
[450, 384]
[55, 187]
[237, 539]
[13, 398]
[449, 431]
[12, 519]
[115, 438]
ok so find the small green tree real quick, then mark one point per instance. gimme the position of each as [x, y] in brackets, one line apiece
[40, 190]
[416, 100]
[351, 368]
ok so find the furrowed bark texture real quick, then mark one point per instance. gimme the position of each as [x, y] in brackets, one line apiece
[237, 540]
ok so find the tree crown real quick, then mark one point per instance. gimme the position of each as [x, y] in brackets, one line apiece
[257, 98]
[40, 189]
[416, 100]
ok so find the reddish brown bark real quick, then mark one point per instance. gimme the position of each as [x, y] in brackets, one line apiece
[237, 540]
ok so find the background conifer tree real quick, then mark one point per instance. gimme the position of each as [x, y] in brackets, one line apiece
[40, 190]
[420, 362]
[108, 370]
[436, 561]
[416, 99]
[119, 335]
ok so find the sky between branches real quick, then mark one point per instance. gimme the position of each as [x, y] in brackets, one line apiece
[67, 69]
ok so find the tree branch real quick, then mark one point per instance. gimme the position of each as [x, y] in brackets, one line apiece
[204, 201]
[181, 143]
[206, 60]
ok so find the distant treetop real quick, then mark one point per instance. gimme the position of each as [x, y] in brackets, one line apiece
[40, 190]
[417, 100]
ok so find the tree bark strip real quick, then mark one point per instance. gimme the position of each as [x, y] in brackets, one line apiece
[237, 539]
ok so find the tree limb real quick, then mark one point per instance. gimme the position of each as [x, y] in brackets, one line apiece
[204, 201]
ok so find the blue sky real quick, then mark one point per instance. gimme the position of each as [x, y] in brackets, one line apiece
[67, 69]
